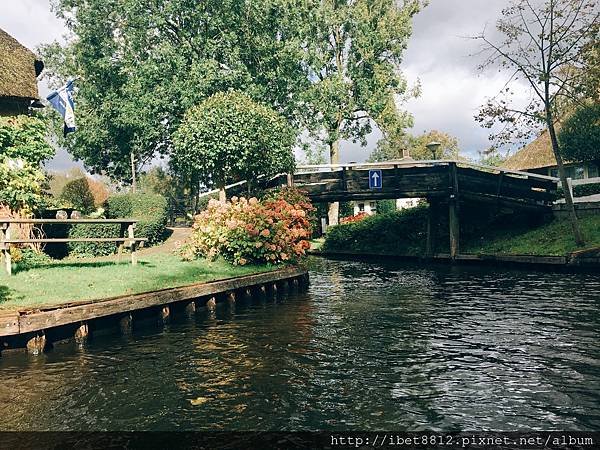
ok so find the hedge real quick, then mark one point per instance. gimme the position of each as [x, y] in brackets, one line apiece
[581, 190]
[91, 249]
[151, 211]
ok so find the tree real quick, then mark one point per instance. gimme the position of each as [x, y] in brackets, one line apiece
[353, 50]
[78, 195]
[579, 136]
[542, 44]
[417, 147]
[23, 147]
[228, 138]
[141, 65]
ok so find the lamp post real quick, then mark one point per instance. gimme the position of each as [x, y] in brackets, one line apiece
[434, 147]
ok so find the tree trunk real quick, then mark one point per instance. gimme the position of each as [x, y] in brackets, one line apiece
[563, 181]
[133, 180]
[334, 208]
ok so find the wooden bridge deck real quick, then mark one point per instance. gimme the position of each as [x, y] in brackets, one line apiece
[428, 179]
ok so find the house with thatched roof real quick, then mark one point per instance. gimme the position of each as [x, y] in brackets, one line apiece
[538, 157]
[19, 69]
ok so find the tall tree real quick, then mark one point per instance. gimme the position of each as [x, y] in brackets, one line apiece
[417, 147]
[353, 49]
[542, 43]
[141, 65]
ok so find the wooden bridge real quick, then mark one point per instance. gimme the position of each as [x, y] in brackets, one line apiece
[441, 183]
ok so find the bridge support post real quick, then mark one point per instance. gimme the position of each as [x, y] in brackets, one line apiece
[454, 228]
[453, 206]
[432, 220]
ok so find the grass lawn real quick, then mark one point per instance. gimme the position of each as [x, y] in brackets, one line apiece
[71, 280]
[552, 239]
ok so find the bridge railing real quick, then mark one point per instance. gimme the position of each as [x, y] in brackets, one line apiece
[303, 168]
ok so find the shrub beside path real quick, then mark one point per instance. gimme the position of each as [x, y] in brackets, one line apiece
[178, 236]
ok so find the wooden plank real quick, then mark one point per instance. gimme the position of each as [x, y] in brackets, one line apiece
[40, 320]
[9, 323]
[66, 221]
[49, 240]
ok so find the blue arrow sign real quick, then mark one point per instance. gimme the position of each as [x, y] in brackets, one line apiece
[375, 179]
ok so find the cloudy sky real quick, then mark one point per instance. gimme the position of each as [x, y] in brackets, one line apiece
[438, 55]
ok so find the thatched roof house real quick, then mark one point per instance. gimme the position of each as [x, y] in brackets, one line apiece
[538, 157]
[19, 69]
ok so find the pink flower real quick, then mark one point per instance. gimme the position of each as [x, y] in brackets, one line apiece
[265, 233]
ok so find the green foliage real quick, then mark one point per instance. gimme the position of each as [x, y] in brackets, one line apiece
[77, 194]
[141, 65]
[150, 209]
[580, 190]
[93, 249]
[244, 231]
[579, 135]
[392, 148]
[24, 137]
[552, 239]
[229, 137]
[353, 53]
[23, 147]
[386, 206]
[400, 232]
[27, 258]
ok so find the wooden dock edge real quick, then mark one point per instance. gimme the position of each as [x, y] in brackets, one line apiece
[26, 321]
[572, 262]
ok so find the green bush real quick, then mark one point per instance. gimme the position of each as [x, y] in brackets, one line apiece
[581, 190]
[92, 249]
[151, 211]
[77, 194]
[27, 258]
[400, 232]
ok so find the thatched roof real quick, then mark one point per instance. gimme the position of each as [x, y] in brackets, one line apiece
[19, 68]
[534, 155]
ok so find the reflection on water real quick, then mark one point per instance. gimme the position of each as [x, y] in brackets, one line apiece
[369, 346]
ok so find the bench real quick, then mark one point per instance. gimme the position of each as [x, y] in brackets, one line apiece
[126, 225]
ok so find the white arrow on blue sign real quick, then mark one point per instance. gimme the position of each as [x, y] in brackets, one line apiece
[375, 179]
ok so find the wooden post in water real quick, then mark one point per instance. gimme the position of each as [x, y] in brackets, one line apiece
[37, 344]
[190, 308]
[211, 304]
[431, 228]
[453, 212]
[165, 312]
[126, 323]
[82, 332]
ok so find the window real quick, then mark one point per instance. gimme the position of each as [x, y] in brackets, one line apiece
[593, 171]
[361, 207]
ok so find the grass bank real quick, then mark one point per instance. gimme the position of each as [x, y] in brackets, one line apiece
[404, 233]
[71, 280]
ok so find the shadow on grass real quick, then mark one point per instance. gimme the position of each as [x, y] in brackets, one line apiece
[78, 265]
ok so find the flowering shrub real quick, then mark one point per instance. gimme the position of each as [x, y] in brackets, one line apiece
[352, 219]
[244, 231]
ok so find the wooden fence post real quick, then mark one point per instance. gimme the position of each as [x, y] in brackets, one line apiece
[130, 235]
[5, 235]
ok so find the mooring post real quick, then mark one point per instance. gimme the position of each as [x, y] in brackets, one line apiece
[190, 308]
[126, 323]
[231, 297]
[453, 212]
[82, 332]
[37, 344]
[165, 312]
[211, 304]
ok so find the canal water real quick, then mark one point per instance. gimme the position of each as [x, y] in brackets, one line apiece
[369, 346]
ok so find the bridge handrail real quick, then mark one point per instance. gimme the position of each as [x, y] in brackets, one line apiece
[392, 164]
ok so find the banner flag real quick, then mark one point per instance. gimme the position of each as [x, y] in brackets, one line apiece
[62, 101]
